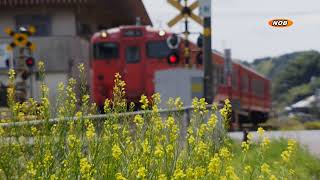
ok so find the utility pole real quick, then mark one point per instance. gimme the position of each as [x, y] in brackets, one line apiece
[186, 11]
[205, 12]
[228, 71]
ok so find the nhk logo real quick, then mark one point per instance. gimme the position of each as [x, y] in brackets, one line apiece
[280, 23]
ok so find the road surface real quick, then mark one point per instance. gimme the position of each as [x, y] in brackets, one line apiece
[309, 139]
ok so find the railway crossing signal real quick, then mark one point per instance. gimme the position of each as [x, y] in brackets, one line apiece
[25, 62]
[185, 12]
[20, 39]
[173, 43]
[205, 21]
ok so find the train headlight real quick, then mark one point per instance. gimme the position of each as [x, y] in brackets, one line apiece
[162, 33]
[104, 34]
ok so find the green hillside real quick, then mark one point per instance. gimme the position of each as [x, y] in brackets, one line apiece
[294, 76]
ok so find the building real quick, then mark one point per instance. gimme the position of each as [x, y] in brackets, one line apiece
[63, 30]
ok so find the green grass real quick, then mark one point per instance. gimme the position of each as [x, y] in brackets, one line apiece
[312, 125]
[305, 164]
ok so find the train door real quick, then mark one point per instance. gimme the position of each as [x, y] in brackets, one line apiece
[134, 69]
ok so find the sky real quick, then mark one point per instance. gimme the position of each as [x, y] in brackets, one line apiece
[242, 25]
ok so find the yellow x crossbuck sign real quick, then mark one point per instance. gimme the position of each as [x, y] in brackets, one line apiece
[185, 12]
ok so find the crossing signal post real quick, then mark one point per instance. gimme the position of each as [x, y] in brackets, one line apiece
[205, 12]
[24, 59]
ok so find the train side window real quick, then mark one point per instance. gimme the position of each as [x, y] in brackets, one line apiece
[234, 80]
[258, 87]
[157, 49]
[132, 54]
[244, 83]
[105, 50]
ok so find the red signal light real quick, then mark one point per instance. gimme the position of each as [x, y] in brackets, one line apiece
[173, 58]
[30, 62]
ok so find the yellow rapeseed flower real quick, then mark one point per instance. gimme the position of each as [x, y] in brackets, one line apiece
[191, 139]
[272, 177]
[85, 168]
[138, 120]
[144, 102]
[142, 173]
[245, 146]
[91, 133]
[212, 121]
[231, 174]
[214, 165]
[247, 169]
[260, 131]
[265, 143]
[178, 174]
[158, 151]
[116, 151]
[203, 129]
[146, 147]
[199, 172]
[190, 173]
[119, 176]
[178, 103]
[47, 159]
[201, 148]
[169, 150]
[81, 67]
[156, 98]
[285, 155]
[31, 170]
[162, 177]
[265, 168]
[291, 172]
[225, 153]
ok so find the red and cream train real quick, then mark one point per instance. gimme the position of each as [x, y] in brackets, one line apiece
[137, 52]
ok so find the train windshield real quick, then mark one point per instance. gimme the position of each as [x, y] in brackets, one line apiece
[157, 49]
[105, 50]
[132, 54]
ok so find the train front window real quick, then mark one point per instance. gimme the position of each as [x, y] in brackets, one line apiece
[105, 50]
[132, 54]
[157, 49]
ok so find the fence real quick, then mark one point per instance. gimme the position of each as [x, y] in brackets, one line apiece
[186, 113]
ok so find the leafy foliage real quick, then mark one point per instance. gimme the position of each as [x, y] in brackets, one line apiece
[294, 76]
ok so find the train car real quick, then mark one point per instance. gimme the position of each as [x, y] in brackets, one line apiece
[248, 91]
[137, 52]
